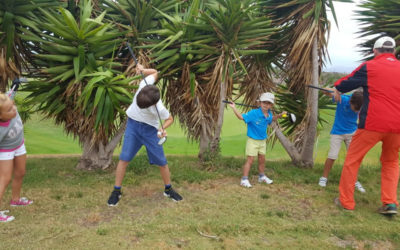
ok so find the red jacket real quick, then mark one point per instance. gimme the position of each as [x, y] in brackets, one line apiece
[380, 79]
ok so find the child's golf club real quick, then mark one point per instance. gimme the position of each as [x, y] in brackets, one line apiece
[314, 87]
[292, 117]
[162, 139]
[15, 83]
[241, 104]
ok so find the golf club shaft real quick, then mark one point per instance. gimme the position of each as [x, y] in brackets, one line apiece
[144, 78]
[241, 104]
[315, 87]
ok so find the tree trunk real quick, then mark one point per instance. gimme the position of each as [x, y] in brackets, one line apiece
[312, 101]
[288, 145]
[205, 141]
[99, 156]
[210, 142]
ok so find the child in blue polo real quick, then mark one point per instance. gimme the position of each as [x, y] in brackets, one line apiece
[143, 128]
[343, 128]
[257, 121]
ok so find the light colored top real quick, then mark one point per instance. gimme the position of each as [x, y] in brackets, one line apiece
[147, 115]
[11, 134]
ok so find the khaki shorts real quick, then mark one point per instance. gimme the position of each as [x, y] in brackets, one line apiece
[255, 147]
[336, 144]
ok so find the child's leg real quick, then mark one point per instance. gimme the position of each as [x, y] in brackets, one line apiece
[261, 164]
[120, 172]
[19, 173]
[6, 169]
[169, 191]
[328, 167]
[247, 166]
[165, 174]
[334, 149]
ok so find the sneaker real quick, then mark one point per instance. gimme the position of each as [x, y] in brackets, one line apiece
[388, 209]
[245, 183]
[265, 179]
[21, 202]
[359, 187]
[170, 193]
[114, 198]
[322, 181]
[4, 217]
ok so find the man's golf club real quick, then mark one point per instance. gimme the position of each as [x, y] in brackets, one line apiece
[162, 139]
[292, 117]
[315, 87]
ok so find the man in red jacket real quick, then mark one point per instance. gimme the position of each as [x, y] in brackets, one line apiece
[379, 120]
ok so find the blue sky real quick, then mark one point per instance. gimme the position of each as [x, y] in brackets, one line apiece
[342, 45]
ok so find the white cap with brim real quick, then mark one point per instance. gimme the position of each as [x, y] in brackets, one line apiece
[267, 97]
[380, 43]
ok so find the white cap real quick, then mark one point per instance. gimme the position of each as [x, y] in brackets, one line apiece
[380, 43]
[267, 97]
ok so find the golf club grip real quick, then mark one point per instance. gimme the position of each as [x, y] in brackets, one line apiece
[322, 89]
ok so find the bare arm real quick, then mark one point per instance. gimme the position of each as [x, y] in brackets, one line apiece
[329, 94]
[146, 72]
[237, 113]
[276, 117]
[167, 122]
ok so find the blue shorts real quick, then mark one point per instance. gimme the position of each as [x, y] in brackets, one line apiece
[138, 134]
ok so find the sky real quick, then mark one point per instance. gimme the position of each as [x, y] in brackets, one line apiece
[342, 44]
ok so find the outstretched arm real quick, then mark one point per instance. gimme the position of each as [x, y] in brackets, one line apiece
[146, 72]
[237, 113]
[276, 117]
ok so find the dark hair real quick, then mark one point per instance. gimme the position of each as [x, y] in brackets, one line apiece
[148, 96]
[357, 100]
[386, 50]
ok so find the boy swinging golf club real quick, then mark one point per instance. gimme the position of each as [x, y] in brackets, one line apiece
[143, 128]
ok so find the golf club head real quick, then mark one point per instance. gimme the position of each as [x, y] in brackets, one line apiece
[162, 140]
[292, 117]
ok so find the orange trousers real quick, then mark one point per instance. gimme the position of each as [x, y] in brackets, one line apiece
[362, 141]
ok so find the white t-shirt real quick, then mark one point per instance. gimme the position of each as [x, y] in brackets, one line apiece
[147, 115]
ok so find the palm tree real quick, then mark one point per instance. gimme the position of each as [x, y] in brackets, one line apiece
[202, 51]
[378, 17]
[15, 17]
[304, 44]
[79, 84]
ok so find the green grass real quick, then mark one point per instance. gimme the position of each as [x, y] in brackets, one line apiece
[43, 137]
[70, 210]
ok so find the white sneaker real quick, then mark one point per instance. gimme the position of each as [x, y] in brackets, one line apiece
[359, 187]
[4, 217]
[265, 179]
[322, 181]
[245, 183]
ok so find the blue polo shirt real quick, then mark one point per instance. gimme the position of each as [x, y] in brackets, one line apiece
[345, 118]
[257, 123]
